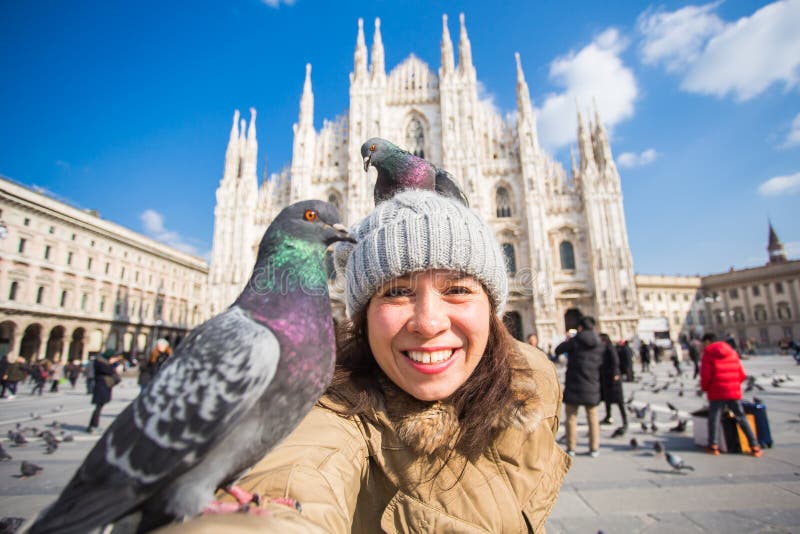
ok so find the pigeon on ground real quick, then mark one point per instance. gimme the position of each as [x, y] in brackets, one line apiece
[54, 425]
[645, 427]
[28, 469]
[619, 432]
[19, 439]
[399, 170]
[35, 416]
[9, 525]
[634, 443]
[66, 436]
[671, 407]
[776, 383]
[4, 456]
[658, 447]
[51, 447]
[677, 462]
[235, 387]
[680, 427]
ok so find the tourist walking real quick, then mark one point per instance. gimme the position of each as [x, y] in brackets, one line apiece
[625, 360]
[105, 378]
[644, 354]
[582, 385]
[13, 372]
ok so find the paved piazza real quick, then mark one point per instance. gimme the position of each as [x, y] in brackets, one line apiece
[621, 491]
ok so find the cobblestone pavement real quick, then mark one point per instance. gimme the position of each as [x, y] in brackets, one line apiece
[630, 491]
[622, 491]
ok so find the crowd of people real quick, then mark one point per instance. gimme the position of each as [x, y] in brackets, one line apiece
[596, 368]
[102, 372]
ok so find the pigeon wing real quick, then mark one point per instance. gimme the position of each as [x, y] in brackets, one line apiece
[217, 375]
[447, 187]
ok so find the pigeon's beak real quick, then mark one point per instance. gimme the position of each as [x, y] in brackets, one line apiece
[342, 234]
[367, 159]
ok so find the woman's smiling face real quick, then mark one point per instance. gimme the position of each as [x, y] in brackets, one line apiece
[428, 331]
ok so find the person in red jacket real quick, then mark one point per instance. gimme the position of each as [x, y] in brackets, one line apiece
[721, 377]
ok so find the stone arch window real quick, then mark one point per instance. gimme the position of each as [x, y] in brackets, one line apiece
[760, 313]
[567, 253]
[415, 137]
[503, 202]
[40, 295]
[784, 312]
[510, 257]
[12, 292]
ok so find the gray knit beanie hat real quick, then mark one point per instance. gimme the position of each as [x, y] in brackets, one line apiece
[416, 231]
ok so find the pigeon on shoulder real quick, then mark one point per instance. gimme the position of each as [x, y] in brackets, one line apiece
[399, 170]
[234, 388]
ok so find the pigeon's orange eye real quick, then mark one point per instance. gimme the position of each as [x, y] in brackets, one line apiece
[372, 148]
[310, 215]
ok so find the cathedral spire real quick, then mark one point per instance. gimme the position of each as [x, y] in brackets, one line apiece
[464, 49]
[775, 247]
[307, 100]
[360, 56]
[448, 63]
[250, 155]
[378, 65]
[523, 94]
[585, 149]
[600, 138]
[232, 153]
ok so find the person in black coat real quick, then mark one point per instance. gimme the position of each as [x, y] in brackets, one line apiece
[611, 383]
[625, 360]
[582, 385]
[105, 375]
[644, 353]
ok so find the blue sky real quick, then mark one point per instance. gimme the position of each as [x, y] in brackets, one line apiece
[125, 107]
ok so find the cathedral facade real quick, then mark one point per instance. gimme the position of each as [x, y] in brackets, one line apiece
[563, 234]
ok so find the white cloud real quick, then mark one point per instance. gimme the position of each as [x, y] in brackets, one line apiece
[793, 137]
[741, 59]
[594, 72]
[153, 223]
[632, 159]
[792, 249]
[276, 3]
[781, 185]
[677, 38]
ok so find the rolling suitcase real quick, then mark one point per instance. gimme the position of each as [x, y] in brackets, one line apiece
[735, 438]
[759, 412]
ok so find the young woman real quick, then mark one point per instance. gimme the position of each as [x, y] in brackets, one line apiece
[437, 420]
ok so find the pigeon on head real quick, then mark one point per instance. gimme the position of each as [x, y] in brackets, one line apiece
[399, 170]
[234, 388]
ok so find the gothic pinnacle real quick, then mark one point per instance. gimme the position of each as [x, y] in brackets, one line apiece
[448, 63]
[523, 94]
[360, 56]
[307, 100]
[377, 67]
[464, 48]
[251, 132]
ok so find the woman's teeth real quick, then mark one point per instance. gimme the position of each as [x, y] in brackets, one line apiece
[436, 356]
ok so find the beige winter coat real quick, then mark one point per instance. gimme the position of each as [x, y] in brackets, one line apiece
[359, 474]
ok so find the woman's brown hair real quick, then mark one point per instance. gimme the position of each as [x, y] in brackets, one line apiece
[483, 404]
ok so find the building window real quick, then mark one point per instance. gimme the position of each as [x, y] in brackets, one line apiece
[701, 317]
[718, 317]
[756, 291]
[567, 254]
[415, 138]
[647, 297]
[89, 264]
[658, 296]
[47, 249]
[689, 319]
[784, 312]
[21, 247]
[12, 293]
[738, 315]
[503, 202]
[27, 222]
[760, 312]
[40, 295]
[102, 303]
[84, 300]
[63, 301]
[108, 267]
[511, 261]
[122, 273]
[779, 288]
[73, 237]
[685, 297]
[69, 258]
[673, 297]
[787, 332]
[733, 293]
[676, 319]
[764, 335]
[52, 230]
